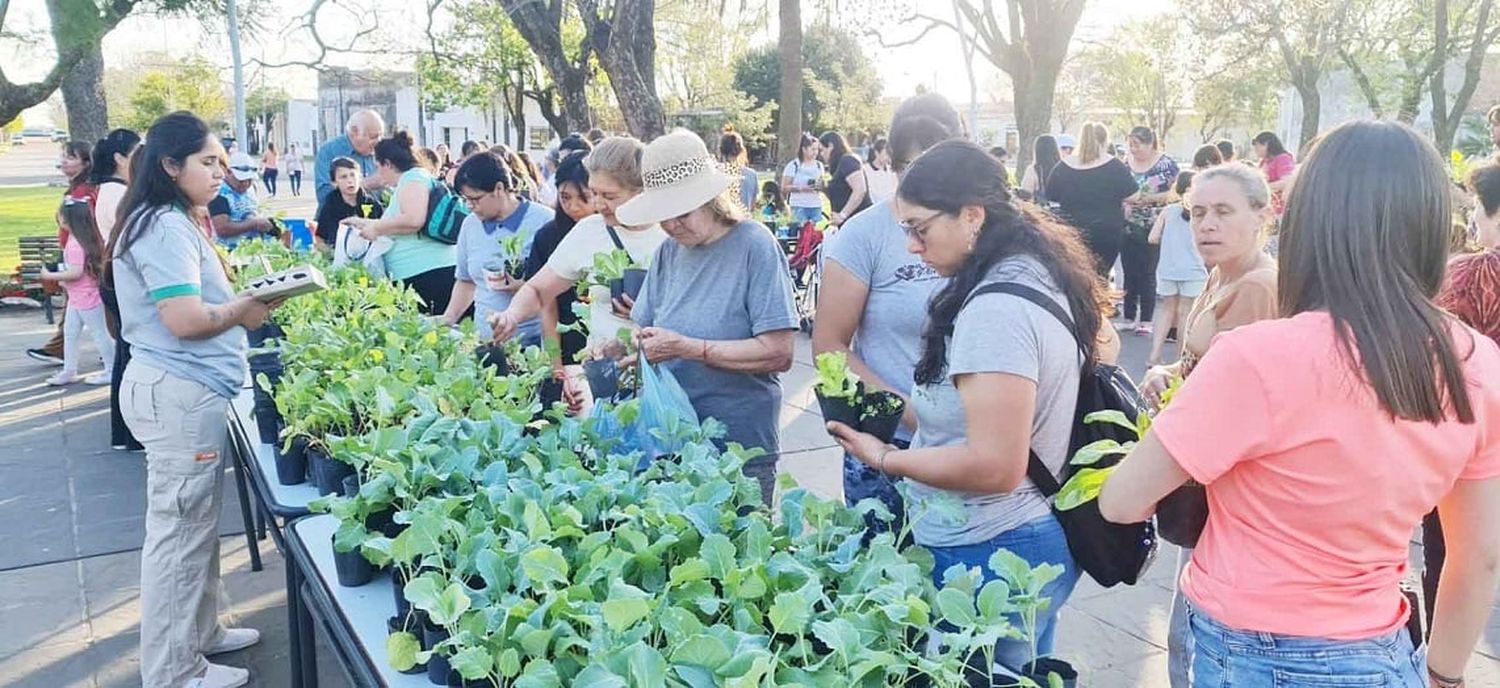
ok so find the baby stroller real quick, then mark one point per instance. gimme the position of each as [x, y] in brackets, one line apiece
[805, 263]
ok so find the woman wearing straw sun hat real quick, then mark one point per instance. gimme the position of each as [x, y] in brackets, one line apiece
[716, 309]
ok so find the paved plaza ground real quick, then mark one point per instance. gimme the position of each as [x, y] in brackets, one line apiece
[71, 525]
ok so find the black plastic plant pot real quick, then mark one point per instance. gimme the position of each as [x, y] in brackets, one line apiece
[352, 567]
[403, 608]
[268, 424]
[438, 671]
[493, 356]
[1040, 671]
[515, 270]
[549, 392]
[291, 465]
[838, 409]
[604, 377]
[349, 486]
[400, 624]
[328, 473]
[886, 418]
[384, 522]
[628, 285]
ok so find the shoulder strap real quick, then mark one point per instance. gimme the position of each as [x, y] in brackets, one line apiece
[1040, 475]
[615, 237]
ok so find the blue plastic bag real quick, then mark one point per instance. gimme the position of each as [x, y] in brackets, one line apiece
[667, 416]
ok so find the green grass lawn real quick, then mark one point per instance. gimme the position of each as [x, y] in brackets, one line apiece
[25, 211]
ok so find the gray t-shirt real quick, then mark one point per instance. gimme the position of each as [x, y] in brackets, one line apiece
[1000, 333]
[872, 247]
[172, 257]
[734, 288]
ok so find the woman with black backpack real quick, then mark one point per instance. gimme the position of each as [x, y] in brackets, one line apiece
[998, 376]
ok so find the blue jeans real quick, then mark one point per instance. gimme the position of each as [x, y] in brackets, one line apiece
[1223, 656]
[801, 215]
[863, 482]
[1040, 541]
[1179, 633]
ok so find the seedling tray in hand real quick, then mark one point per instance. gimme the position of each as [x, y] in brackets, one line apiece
[297, 281]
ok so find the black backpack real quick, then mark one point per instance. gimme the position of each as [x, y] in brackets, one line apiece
[1111, 553]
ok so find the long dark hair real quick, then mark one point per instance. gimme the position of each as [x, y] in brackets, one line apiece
[1207, 156]
[83, 150]
[398, 150]
[837, 148]
[1044, 155]
[570, 171]
[956, 174]
[1368, 243]
[79, 218]
[118, 141]
[802, 144]
[1271, 141]
[175, 137]
[877, 147]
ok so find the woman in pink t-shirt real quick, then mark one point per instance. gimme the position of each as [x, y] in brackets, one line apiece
[1325, 437]
[79, 276]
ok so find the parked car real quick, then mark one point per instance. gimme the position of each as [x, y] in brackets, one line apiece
[59, 136]
[17, 139]
[36, 132]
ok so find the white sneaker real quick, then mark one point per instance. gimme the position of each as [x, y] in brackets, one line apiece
[220, 676]
[62, 379]
[232, 640]
[98, 379]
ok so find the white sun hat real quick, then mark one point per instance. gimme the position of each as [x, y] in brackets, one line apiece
[679, 176]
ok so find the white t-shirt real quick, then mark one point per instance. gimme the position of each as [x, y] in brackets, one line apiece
[804, 174]
[574, 258]
[106, 206]
[881, 184]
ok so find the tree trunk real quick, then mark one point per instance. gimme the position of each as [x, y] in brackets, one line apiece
[1366, 87]
[1445, 128]
[789, 49]
[1312, 105]
[626, 44]
[83, 96]
[540, 23]
[1033, 92]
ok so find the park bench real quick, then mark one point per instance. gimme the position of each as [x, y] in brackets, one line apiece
[37, 252]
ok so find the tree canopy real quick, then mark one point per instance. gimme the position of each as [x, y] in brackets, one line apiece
[841, 90]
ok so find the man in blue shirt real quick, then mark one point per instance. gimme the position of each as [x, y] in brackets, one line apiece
[358, 142]
[235, 212]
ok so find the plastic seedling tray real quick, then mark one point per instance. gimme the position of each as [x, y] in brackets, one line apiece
[297, 281]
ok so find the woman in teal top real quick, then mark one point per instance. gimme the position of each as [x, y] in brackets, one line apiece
[413, 259]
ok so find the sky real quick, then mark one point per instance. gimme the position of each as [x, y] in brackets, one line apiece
[935, 62]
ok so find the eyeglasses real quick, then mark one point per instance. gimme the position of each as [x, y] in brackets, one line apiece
[471, 200]
[918, 231]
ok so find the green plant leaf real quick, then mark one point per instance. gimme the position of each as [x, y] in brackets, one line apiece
[472, 662]
[957, 607]
[1083, 487]
[450, 605]
[545, 565]
[422, 592]
[648, 669]
[620, 614]
[1090, 454]
[718, 551]
[509, 663]
[701, 650]
[692, 569]
[789, 614]
[840, 635]
[402, 649]
[1111, 416]
[597, 676]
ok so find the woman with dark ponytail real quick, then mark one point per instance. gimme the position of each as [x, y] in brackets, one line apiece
[186, 326]
[998, 376]
[111, 172]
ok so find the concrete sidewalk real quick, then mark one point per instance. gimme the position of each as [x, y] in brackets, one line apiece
[70, 513]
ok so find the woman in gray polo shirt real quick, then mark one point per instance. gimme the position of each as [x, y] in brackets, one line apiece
[186, 329]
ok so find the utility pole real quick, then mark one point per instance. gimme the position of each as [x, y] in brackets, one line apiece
[232, 10]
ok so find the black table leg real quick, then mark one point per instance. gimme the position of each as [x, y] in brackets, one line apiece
[293, 619]
[260, 521]
[309, 641]
[245, 508]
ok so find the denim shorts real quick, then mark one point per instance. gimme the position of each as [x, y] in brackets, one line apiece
[1224, 656]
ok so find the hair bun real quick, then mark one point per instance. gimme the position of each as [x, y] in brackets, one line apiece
[403, 136]
[728, 128]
